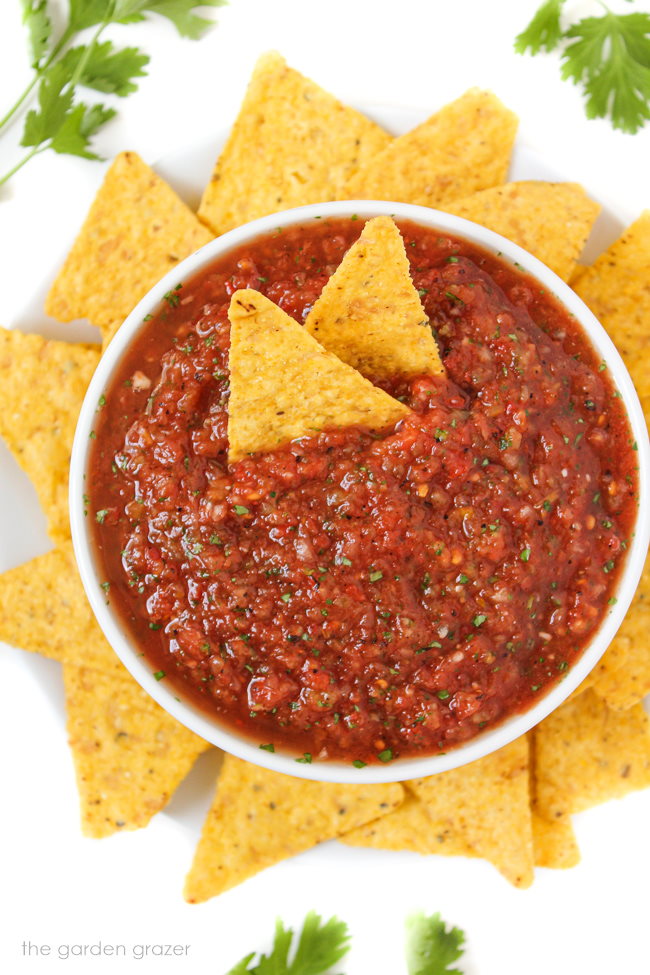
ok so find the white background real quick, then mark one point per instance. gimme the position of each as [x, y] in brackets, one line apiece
[57, 888]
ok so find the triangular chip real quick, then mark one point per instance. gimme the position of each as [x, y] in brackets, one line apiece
[369, 313]
[617, 290]
[137, 229]
[463, 148]
[586, 753]
[480, 810]
[42, 386]
[284, 385]
[43, 609]
[292, 144]
[550, 220]
[259, 818]
[554, 843]
[622, 676]
[129, 754]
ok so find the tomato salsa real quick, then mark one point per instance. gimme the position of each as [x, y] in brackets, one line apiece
[353, 595]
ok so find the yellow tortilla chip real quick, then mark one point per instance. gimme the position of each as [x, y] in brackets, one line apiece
[554, 843]
[622, 676]
[292, 144]
[129, 755]
[284, 385]
[463, 148]
[550, 220]
[137, 229]
[369, 313]
[42, 386]
[617, 290]
[586, 753]
[479, 810]
[259, 818]
[43, 609]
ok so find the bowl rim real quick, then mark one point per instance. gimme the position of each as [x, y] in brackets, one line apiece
[199, 721]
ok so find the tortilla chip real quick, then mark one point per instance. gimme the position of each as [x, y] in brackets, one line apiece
[284, 385]
[369, 313]
[43, 609]
[622, 676]
[129, 755]
[137, 229]
[42, 386]
[259, 818]
[292, 144]
[585, 753]
[617, 290]
[463, 148]
[554, 843]
[479, 810]
[550, 220]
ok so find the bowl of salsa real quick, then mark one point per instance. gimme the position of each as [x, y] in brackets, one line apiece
[364, 605]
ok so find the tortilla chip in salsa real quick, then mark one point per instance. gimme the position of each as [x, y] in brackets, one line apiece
[129, 754]
[137, 229]
[463, 148]
[42, 386]
[259, 818]
[369, 313]
[550, 220]
[284, 385]
[292, 144]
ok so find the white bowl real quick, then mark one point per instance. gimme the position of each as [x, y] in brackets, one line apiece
[220, 734]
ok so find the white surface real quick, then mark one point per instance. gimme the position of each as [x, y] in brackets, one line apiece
[57, 888]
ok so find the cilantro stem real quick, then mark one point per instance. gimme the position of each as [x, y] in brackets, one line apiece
[19, 165]
[38, 74]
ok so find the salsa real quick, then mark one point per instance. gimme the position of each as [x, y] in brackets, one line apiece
[353, 595]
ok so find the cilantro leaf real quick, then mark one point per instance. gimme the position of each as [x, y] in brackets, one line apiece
[54, 103]
[607, 55]
[79, 125]
[320, 946]
[610, 56]
[107, 69]
[180, 12]
[543, 33]
[90, 13]
[431, 946]
[37, 21]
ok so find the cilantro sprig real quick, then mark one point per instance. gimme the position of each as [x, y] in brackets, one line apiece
[319, 946]
[431, 946]
[607, 55]
[59, 120]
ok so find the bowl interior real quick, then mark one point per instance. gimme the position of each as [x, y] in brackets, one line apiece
[197, 720]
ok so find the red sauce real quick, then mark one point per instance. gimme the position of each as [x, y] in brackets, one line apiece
[356, 596]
